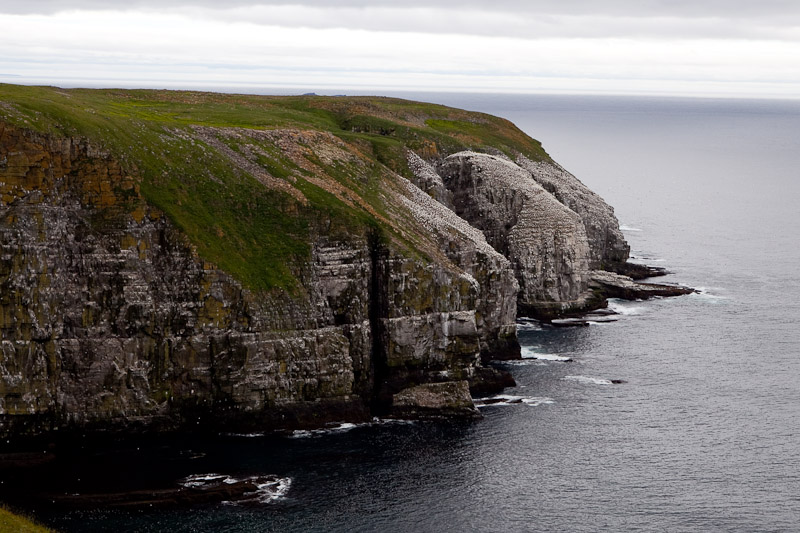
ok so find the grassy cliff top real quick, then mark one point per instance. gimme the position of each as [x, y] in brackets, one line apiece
[92, 112]
[249, 178]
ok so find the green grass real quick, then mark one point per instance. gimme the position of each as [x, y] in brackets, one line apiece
[12, 523]
[258, 234]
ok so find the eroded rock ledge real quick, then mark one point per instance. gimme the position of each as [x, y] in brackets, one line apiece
[612, 285]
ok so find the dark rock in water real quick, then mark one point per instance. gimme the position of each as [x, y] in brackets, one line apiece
[492, 401]
[195, 490]
[636, 271]
[489, 380]
[604, 312]
[612, 285]
[568, 323]
[435, 400]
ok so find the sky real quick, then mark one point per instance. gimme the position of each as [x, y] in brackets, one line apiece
[735, 48]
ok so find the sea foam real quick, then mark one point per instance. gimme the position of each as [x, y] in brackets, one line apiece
[624, 307]
[589, 380]
[508, 399]
[344, 427]
[529, 353]
[268, 487]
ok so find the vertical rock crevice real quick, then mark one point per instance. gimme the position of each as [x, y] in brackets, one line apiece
[380, 401]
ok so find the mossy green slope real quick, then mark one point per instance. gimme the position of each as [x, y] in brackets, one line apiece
[200, 160]
[10, 522]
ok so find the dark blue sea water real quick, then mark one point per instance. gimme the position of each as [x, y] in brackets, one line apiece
[703, 436]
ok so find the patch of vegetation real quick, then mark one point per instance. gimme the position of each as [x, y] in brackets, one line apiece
[504, 137]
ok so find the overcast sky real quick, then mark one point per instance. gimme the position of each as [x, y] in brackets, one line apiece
[745, 48]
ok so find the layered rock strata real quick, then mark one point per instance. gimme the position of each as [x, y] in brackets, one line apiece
[111, 320]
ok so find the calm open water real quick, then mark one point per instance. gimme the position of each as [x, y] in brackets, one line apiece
[703, 436]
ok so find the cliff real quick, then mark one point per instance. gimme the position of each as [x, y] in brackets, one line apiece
[174, 260]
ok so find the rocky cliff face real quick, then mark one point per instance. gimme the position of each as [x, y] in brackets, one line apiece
[110, 318]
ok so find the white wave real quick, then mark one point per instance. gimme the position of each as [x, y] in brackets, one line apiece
[568, 321]
[244, 435]
[529, 326]
[273, 490]
[708, 293]
[624, 307]
[345, 427]
[268, 487]
[508, 399]
[529, 353]
[628, 228]
[589, 380]
[201, 480]
[339, 428]
[523, 362]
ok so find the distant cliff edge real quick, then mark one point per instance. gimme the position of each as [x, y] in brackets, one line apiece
[198, 261]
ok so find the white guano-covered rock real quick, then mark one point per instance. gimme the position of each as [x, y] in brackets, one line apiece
[489, 271]
[545, 241]
[607, 245]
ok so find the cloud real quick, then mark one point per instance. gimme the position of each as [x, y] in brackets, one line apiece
[105, 44]
[442, 44]
[468, 21]
[654, 19]
[695, 8]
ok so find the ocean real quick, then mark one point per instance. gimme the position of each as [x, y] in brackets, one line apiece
[703, 433]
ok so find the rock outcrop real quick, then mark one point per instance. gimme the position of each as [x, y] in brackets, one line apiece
[545, 241]
[612, 285]
[607, 246]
